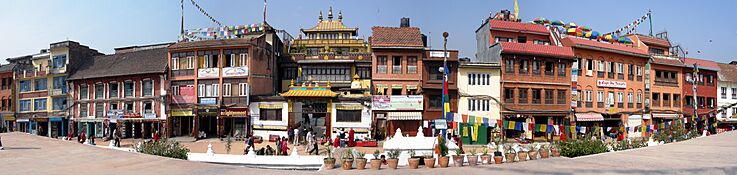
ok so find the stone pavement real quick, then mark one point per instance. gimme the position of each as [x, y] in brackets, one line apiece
[26, 154]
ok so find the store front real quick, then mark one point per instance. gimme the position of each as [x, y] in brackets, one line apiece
[547, 128]
[516, 126]
[408, 122]
[234, 122]
[9, 123]
[602, 124]
[41, 126]
[207, 121]
[398, 111]
[182, 121]
[57, 127]
[23, 125]
[91, 127]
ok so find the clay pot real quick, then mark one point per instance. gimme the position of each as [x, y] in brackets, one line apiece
[458, 160]
[498, 159]
[376, 164]
[556, 152]
[413, 163]
[486, 159]
[511, 157]
[473, 160]
[392, 163]
[544, 154]
[443, 161]
[533, 155]
[361, 163]
[430, 162]
[347, 164]
[329, 163]
[522, 155]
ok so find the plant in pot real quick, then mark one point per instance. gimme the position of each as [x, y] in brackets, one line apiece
[545, 151]
[361, 160]
[511, 154]
[393, 159]
[458, 158]
[376, 162]
[413, 161]
[498, 158]
[429, 161]
[443, 158]
[485, 157]
[348, 159]
[534, 150]
[473, 159]
[329, 161]
[522, 153]
[554, 149]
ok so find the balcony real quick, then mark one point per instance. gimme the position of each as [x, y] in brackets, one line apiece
[31, 74]
[630, 105]
[179, 99]
[396, 69]
[59, 70]
[620, 105]
[630, 77]
[332, 56]
[381, 69]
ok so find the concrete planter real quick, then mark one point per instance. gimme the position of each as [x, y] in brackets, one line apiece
[443, 161]
[458, 160]
[413, 163]
[486, 159]
[473, 160]
[329, 163]
[347, 164]
[361, 163]
[392, 163]
[544, 153]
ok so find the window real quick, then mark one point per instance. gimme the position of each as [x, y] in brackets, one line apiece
[113, 106]
[129, 88]
[381, 64]
[630, 69]
[411, 65]
[59, 103]
[523, 67]
[25, 105]
[148, 107]
[59, 61]
[243, 60]
[83, 110]
[60, 83]
[630, 98]
[175, 63]
[549, 68]
[734, 93]
[201, 90]
[601, 66]
[99, 91]
[541, 42]
[348, 116]
[724, 92]
[436, 101]
[562, 97]
[676, 100]
[227, 89]
[113, 92]
[40, 84]
[435, 74]
[270, 115]
[148, 88]
[587, 96]
[39, 104]
[190, 62]
[215, 90]
[522, 96]
[502, 39]
[243, 89]
[562, 69]
[639, 97]
[656, 99]
[522, 39]
[175, 90]
[508, 95]
[590, 64]
[549, 94]
[666, 100]
[129, 107]
[620, 68]
[83, 92]
[397, 65]
[509, 66]
[535, 67]
[639, 71]
[25, 86]
[620, 97]
[600, 97]
[99, 110]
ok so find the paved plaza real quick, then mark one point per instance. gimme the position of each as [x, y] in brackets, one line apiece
[26, 154]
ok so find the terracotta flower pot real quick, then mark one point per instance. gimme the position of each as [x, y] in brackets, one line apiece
[498, 159]
[473, 160]
[544, 154]
[443, 161]
[522, 155]
[413, 163]
[361, 163]
[392, 163]
[556, 152]
[486, 159]
[376, 164]
[533, 155]
[430, 162]
[347, 164]
[329, 163]
[458, 160]
[511, 157]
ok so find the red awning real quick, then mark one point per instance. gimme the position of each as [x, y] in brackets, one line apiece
[588, 117]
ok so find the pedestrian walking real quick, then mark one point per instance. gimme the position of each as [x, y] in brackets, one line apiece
[314, 147]
[284, 147]
[290, 134]
[250, 141]
[278, 145]
[342, 138]
[351, 138]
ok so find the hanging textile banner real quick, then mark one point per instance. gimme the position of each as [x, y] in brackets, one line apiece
[475, 133]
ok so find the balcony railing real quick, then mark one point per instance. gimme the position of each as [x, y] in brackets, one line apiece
[29, 74]
[630, 105]
[396, 69]
[381, 69]
[333, 56]
[411, 69]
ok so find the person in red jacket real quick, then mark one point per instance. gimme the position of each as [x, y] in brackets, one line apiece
[284, 147]
[156, 136]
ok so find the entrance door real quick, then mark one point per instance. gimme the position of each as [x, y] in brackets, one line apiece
[208, 124]
[315, 121]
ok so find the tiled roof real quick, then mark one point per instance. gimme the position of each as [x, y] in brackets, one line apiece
[536, 49]
[129, 63]
[727, 72]
[309, 91]
[703, 64]
[653, 41]
[604, 46]
[668, 61]
[518, 26]
[329, 25]
[396, 37]
[7, 67]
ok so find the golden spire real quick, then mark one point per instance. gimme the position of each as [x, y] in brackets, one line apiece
[320, 18]
[330, 13]
[340, 15]
[291, 83]
[328, 84]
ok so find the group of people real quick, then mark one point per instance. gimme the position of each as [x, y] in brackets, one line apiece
[282, 147]
[345, 140]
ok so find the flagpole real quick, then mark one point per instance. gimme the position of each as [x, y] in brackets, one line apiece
[445, 78]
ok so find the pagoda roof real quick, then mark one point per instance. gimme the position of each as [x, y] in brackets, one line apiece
[331, 25]
[309, 91]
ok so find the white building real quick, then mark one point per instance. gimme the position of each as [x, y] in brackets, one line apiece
[727, 94]
[479, 91]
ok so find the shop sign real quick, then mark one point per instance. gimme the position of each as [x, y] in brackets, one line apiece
[235, 71]
[208, 72]
[237, 112]
[397, 102]
[438, 54]
[611, 84]
[151, 115]
[207, 111]
[182, 113]
[208, 101]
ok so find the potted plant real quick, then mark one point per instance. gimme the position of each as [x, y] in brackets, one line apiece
[534, 150]
[329, 161]
[522, 153]
[393, 159]
[348, 159]
[485, 157]
[361, 160]
[429, 161]
[376, 162]
[458, 158]
[511, 154]
[413, 162]
[554, 149]
[544, 151]
[473, 160]
[443, 158]
[498, 158]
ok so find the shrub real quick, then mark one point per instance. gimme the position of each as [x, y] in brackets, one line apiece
[393, 154]
[164, 148]
[675, 133]
[628, 144]
[581, 147]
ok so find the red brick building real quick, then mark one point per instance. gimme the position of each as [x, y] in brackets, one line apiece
[432, 83]
[397, 73]
[7, 96]
[706, 90]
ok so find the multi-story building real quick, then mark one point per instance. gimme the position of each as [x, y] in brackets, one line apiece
[535, 75]
[212, 80]
[7, 96]
[727, 96]
[121, 93]
[42, 90]
[432, 86]
[397, 78]
[479, 81]
[326, 81]
[705, 100]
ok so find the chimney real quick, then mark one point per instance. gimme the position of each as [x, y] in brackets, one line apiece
[424, 40]
[404, 22]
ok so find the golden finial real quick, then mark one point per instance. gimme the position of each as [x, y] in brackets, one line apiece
[303, 84]
[291, 83]
[330, 13]
[340, 15]
[320, 18]
[328, 84]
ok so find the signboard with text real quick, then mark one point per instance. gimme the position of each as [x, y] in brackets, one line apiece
[397, 102]
[208, 73]
[235, 71]
[611, 84]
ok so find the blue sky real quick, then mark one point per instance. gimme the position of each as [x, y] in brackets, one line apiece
[707, 27]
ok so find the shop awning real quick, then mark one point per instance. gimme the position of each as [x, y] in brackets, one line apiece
[666, 116]
[352, 107]
[404, 116]
[381, 86]
[397, 86]
[270, 105]
[589, 117]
